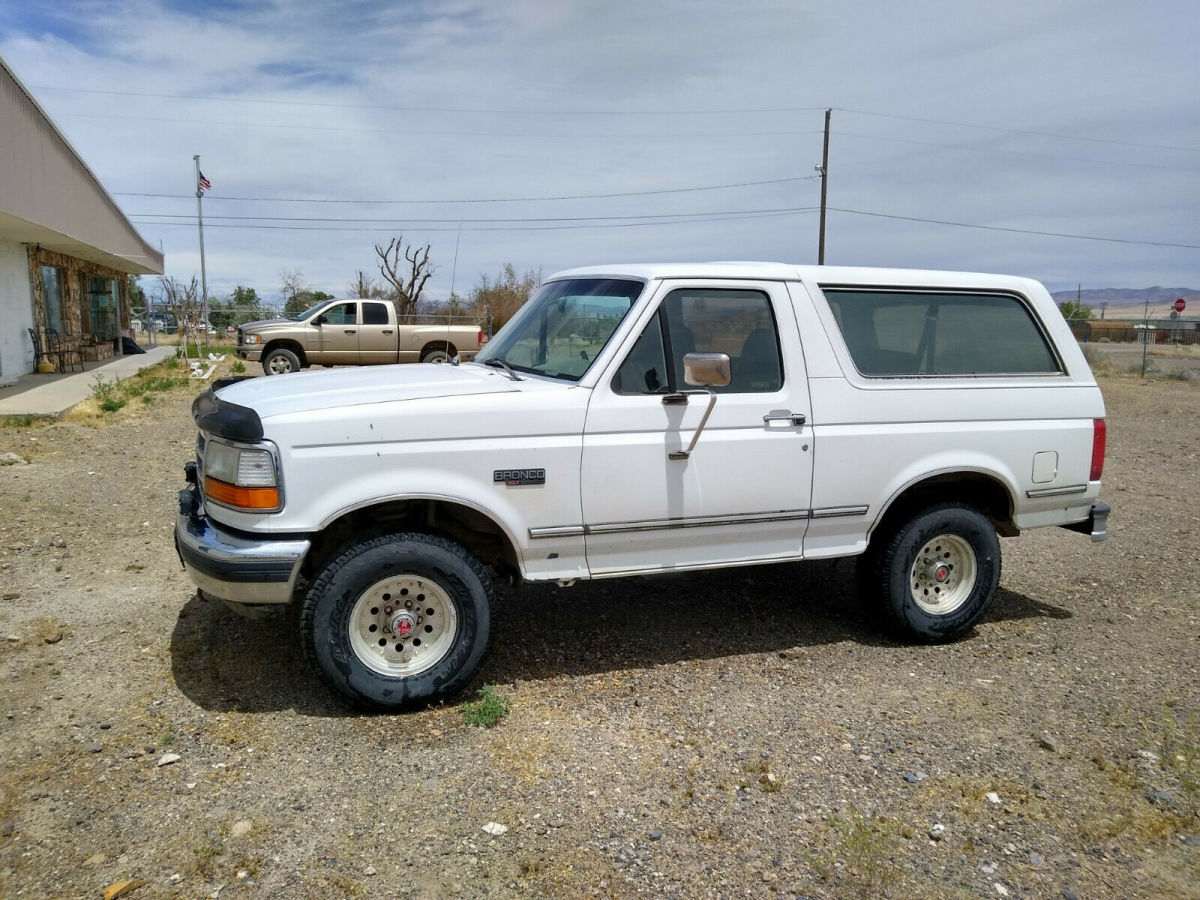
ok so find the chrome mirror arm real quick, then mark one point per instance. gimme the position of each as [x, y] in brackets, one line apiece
[712, 401]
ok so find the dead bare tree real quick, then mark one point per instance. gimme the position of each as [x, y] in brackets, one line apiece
[183, 301]
[407, 287]
[363, 286]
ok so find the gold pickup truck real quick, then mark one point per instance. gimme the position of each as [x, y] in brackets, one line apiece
[351, 333]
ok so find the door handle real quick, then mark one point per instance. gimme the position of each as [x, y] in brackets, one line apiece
[350, 331]
[784, 415]
[387, 331]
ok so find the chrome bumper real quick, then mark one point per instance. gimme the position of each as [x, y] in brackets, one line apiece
[1096, 524]
[233, 566]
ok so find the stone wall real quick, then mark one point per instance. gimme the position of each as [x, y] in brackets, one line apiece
[73, 272]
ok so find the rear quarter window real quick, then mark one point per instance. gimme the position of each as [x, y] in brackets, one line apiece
[892, 333]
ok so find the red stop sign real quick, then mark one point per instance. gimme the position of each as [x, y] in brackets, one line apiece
[1180, 305]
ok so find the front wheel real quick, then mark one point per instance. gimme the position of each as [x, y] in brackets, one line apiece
[935, 573]
[280, 361]
[397, 621]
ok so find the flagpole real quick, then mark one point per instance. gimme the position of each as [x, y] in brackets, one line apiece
[203, 276]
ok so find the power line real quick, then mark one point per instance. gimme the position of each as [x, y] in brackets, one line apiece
[451, 109]
[709, 187]
[307, 127]
[725, 212]
[1065, 137]
[683, 219]
[1083, 159]
[588, 112]
[1080, 237]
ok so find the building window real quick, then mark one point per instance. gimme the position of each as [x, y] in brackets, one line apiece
[53, 299]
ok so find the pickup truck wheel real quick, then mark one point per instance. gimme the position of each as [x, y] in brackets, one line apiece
[280, 361]
[436, 356]
[397, 621]
[936, 572]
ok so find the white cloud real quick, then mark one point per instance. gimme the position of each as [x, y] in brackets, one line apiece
[1067, 68]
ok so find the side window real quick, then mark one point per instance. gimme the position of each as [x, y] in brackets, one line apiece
[342, 314]
[899, 333]
[375, 314]
[645, 368]
[706, 320]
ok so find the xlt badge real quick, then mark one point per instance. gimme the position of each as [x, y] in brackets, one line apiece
[514, 477]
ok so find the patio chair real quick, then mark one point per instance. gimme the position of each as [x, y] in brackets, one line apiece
[64, 349]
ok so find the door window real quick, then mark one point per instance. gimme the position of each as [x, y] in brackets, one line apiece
[52, 294]
[375, 314]
[706, 320]
[342, 314]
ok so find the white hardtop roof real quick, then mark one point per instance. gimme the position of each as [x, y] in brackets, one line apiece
[774, 271]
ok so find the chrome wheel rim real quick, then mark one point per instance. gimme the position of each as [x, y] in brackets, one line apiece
[279, 365]
[403, 625]
[943, 574]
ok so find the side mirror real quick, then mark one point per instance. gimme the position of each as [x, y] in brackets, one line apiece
[707, 369]
[319, 320]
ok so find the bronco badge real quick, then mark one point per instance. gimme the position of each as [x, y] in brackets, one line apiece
[514, 477]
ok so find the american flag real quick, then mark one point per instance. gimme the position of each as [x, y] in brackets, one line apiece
[203, 184]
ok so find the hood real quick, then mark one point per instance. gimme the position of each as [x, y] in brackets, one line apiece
[309, 391]
[262, 323]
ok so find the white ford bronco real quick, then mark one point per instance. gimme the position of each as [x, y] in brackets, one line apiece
[641, 419]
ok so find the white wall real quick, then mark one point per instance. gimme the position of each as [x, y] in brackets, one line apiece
[16, 312]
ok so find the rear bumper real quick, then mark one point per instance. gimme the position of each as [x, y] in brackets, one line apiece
[232, 565]
[1096, 524]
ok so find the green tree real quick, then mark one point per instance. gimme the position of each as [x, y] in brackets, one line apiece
[1075, 311]
[504, 296]
[243, 297]
[304, 299]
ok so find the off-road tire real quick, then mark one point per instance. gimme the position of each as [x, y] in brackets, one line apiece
[326, 618]
[896, 574]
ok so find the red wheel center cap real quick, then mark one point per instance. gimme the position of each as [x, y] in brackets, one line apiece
[402, 624]
[941, 573]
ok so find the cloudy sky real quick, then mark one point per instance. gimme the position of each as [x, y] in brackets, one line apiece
[548, 133]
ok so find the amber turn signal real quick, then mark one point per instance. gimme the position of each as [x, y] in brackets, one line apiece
[241, 497]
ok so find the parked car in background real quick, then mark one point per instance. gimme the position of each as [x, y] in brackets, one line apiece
[352, 333]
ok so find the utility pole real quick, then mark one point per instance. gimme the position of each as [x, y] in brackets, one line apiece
[1145, 334]
[203, 277]
[824, 189]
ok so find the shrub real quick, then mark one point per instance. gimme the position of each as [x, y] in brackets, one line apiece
[489, 709]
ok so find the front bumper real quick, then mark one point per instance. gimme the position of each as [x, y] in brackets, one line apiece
[232, 565]
[1096, 524]
[249, 352]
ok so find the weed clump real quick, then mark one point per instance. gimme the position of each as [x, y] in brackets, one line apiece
[487, 711]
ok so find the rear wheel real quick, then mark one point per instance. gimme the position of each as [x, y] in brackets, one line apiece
[280, 361]
[396, 621]
[436, 356]
[935, 572]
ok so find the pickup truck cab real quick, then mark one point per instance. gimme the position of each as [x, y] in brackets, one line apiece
[351, 333]
[642, 419]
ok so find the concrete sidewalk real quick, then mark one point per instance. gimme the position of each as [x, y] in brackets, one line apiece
[61, 395]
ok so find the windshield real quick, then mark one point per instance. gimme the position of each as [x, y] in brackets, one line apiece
[308, 312]
[563, 327]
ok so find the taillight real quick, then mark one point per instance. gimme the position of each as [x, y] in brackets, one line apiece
[479, 339]
[1099, 434]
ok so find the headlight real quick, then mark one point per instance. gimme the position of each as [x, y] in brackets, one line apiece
[240, 477]
[252, 338]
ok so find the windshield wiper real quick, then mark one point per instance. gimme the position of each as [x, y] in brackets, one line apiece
[497, 363]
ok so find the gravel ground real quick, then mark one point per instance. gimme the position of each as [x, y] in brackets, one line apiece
[746, 732]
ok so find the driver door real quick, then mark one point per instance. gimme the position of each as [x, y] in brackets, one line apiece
[338, 337]
[744, 492]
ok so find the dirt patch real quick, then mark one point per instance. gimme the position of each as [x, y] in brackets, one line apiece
[745, 731]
